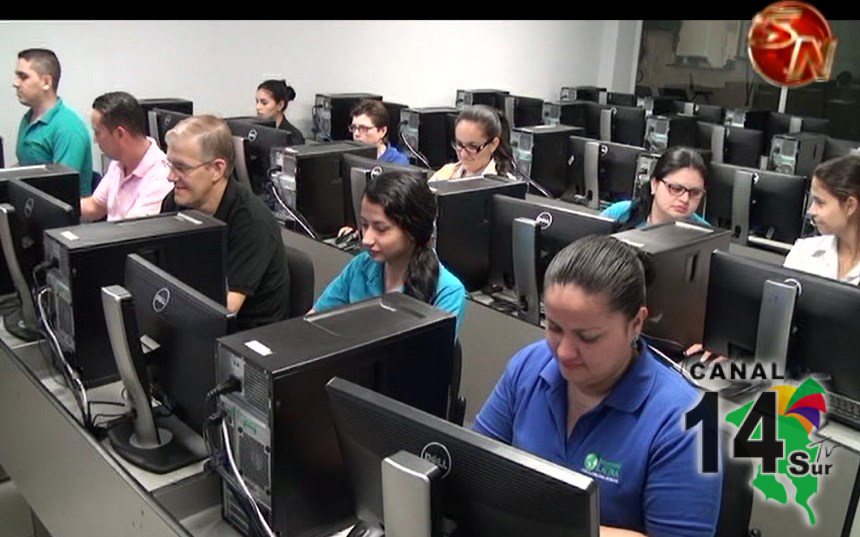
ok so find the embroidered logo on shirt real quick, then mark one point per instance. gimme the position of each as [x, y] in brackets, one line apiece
[602, 468]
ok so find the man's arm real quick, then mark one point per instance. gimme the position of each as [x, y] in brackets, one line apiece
[234, 301]
[92, 210]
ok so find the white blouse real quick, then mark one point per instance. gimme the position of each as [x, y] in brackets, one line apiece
[818, 255]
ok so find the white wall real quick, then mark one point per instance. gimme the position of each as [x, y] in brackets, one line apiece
[218, 64]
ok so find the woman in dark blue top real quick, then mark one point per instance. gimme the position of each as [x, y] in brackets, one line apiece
[594, 398]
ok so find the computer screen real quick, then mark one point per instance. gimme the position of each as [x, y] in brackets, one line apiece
[523, 111]
[463, 224]
[164, 121]
[259, 142]
[185, 324]
[628, 124]
[779, 123]
[775, 210]
[364, 166]
[559, 226]
[839, 148]
[615, 167]
[487, 488]
[743, 147]
[824, 321]
[709, 113]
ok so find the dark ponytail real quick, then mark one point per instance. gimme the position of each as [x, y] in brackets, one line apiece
[672, 160]
[494, 125]
[409, 203]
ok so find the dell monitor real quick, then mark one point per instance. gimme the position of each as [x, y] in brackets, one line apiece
[601, 173]
[487, 489]
[356, 169]
[182, 324]
[23, 220]
[823, 322]
[627, 124]
[732, 145]
[164, 120]
[770, 206]
[709, 113]
[259, 141]
[838, 148]
[779, 123]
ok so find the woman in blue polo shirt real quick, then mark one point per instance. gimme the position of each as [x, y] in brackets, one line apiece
[594, 398]
[676, 188]
[397, 215]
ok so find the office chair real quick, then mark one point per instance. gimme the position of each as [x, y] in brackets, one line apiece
[301, 270]
[456, 404]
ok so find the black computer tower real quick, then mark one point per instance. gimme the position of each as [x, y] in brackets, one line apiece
[189, 245]
[570, 94]
[747, 118]
[427, 130]
[331, 114]
[463, 224]
[394, 111]
[680, 260]
[542, 153]
[175, 104]
[797, 153]
[663, 132]
[319, 183]
[281, 430]
[493, 98]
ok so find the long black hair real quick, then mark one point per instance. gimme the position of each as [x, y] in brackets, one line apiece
[672, 160]
[409, 203]
[494, 125]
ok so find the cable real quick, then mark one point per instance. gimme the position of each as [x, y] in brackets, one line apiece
[532, 182]
[229, 452]
[73, 377]
[414, 151]
[294, 214]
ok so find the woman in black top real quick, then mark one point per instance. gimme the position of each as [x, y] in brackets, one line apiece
[272, 99]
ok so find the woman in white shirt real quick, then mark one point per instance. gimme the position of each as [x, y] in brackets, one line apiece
[835, 211]
[480, 141]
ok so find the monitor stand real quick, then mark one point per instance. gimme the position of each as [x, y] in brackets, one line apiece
[23, 322]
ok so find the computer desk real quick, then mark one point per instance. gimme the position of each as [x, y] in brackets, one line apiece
[77, 487]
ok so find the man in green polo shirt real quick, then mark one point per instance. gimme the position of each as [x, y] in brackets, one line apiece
[49, 132]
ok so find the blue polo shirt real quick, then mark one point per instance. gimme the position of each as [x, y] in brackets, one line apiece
[59, 136]
[363, 278]
[632, 443]
[391, 154]
[620, 212]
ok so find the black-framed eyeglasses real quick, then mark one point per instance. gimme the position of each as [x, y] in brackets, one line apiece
[183, 170]
[470, 149]
[363, 129]
[678, 190]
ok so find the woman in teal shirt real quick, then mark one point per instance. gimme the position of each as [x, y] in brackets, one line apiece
[397, 215]
[676, 188]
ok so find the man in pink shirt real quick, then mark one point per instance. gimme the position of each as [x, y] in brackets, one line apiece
[136, 180]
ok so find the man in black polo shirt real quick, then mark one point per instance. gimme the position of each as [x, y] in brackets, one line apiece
[200, 156]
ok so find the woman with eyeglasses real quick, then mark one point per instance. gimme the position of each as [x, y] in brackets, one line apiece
[369, 125]
[398, 211]
[676, 188]
[272, 98]
[480, 141]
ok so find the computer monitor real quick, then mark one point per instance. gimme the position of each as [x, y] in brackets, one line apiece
[558, 226]
[23, 220]
[463, 224]
[732, 145]
[770, 205]
[823, 330]
[601, 172]
[523, 111]
[164, 120]
[838, 148]
[487, 488]
[258, 145]
[627, 124]
[166, 103]
[779, 123]
[356, 170]
[395, 344]
[182, 324]
[709, 113]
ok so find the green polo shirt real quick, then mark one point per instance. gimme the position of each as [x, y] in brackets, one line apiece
[59, 136]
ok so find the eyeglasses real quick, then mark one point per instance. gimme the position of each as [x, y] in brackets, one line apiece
[469, 149]
[678, 190]
[363, 129]
[183, 170]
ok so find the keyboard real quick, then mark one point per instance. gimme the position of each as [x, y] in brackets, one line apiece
[843, 409]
